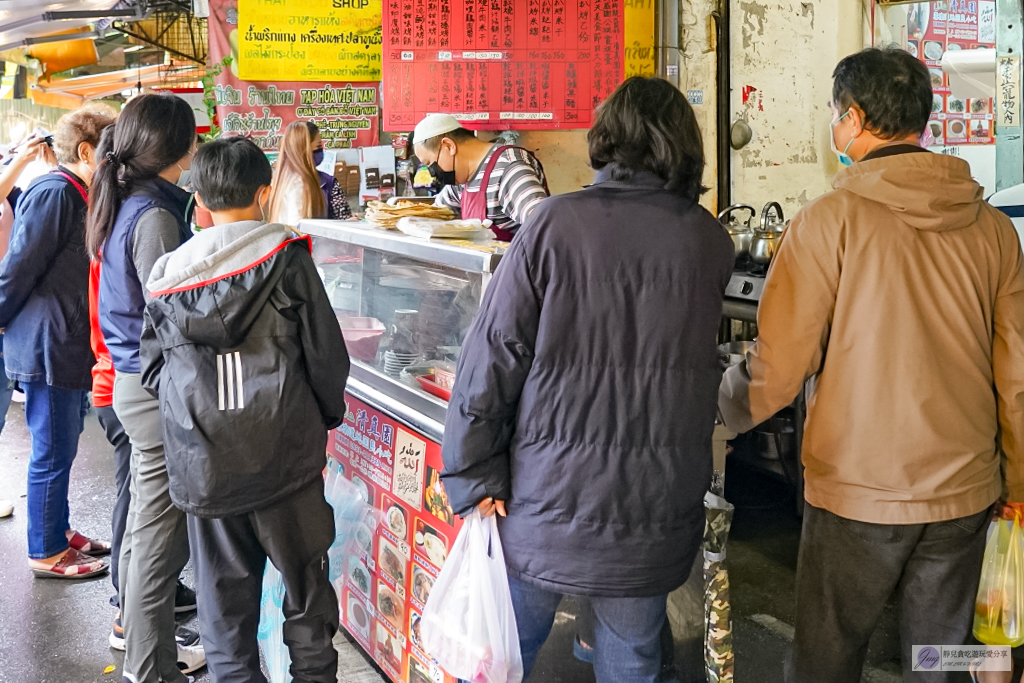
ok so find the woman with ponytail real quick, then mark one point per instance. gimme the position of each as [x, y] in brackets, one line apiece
[139, 211]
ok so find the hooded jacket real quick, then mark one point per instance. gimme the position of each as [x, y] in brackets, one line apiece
[901, 293]
[585, 393]
[243, 349]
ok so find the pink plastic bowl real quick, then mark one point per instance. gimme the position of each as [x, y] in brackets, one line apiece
[362, 336]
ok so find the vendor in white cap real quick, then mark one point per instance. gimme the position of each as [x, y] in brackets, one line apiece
[502, 183]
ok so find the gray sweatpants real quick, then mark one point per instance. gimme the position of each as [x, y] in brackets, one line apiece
[155, 546]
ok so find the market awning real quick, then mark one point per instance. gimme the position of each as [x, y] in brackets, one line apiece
[70, 93]
[29, 22]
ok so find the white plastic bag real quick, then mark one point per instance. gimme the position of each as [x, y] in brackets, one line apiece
[271, 630]
[432, 228]
[468, 624]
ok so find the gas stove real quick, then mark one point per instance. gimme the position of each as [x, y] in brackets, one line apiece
[744, 285]
[743, 293]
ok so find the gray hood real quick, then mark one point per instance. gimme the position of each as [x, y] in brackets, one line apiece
[217, 252]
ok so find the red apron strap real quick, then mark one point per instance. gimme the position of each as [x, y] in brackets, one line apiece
[78, 186]
[474, 203]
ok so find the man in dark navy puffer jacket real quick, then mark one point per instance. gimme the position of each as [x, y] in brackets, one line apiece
[585, 396]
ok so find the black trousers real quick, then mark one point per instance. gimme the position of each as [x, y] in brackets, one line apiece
[230, 553]
[122, 471]
[846, 573]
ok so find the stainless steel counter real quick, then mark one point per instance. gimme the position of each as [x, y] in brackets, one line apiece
[475, 257]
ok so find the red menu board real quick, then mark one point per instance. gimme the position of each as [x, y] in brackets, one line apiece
[932, 30]
[385, 591]
[498, 64]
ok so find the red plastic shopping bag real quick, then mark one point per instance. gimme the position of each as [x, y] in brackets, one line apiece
[468, 624]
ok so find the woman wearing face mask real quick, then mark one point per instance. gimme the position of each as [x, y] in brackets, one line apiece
[138, 212]
[43, 307]
[301, 191]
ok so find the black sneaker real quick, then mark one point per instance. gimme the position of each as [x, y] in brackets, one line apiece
[184, 599]
[185, 637]
[190, 657]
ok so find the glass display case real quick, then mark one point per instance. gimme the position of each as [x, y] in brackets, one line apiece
[404, 305]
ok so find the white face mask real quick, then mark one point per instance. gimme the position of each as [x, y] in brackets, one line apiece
[186, 173]
[844, 158]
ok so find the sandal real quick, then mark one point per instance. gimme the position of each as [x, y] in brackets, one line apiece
[88, 546]
[73, 565]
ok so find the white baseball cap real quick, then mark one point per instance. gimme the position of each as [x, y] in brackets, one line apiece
[434, 125]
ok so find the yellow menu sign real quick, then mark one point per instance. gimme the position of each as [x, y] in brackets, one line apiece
[639, 37]
[309, 40]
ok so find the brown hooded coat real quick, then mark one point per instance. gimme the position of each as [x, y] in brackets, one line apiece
[901, 296]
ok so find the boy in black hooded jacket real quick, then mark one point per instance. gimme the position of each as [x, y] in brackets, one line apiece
[245, 353]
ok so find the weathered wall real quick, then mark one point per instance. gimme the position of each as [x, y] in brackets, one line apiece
[697, 72]
[564, 155]
[783, 53]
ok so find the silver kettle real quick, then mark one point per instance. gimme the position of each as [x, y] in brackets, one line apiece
[741, 233]
[767, 235]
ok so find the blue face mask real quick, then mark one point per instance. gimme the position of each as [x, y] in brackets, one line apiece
[844, 158]
[318, 156]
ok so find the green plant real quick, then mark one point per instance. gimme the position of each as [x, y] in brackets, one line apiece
[210, 93]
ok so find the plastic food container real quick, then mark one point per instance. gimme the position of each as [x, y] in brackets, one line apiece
[430, 386]
[362, 336]
[444, 378]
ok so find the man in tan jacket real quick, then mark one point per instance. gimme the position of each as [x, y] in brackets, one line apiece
[900, 295]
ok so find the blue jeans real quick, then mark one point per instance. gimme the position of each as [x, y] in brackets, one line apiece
[56, 418]
[6, 388]
[627, 647]
[6, 391]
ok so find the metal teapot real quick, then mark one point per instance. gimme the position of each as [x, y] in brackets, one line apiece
[741, 233]
[767, 235]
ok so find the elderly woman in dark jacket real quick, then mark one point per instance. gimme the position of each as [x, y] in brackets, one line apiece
[585, 397]
[44, 307]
